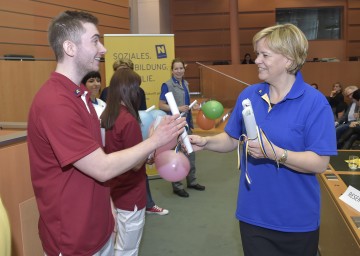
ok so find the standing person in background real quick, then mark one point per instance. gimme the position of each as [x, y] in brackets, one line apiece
[180, 89]
[278, 205]
[128, 190]
[67, 163]
[121, 63]
[92, 82]
[247, 59]
[151, 207]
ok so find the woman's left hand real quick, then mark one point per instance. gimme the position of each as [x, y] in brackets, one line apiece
[254, 149]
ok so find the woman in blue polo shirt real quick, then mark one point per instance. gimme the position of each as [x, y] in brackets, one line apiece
[278, 205]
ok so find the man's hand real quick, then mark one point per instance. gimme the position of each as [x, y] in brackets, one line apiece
[168, 129]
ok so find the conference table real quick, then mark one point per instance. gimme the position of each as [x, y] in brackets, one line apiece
[340, 223]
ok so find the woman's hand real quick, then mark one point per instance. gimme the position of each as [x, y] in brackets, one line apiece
[184, 108]
[254, 149]
[197, 142]
[353, 124]
[333, 93]
[305, 162]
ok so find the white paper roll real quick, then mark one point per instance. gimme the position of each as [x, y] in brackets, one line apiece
[151, 108]
[249, 119]
[175, 110]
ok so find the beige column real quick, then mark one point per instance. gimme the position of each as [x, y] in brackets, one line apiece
[150, 16]
[234, 32]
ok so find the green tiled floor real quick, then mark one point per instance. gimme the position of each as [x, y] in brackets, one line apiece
[204, 223]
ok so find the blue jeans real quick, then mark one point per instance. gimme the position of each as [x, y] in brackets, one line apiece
[340, 129]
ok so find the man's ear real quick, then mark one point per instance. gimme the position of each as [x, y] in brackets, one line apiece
[69, 48]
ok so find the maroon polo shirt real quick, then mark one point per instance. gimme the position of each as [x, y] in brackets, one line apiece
[75, 212]
[129, 188]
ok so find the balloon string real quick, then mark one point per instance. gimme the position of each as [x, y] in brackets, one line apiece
[260, 138]
[231, 77]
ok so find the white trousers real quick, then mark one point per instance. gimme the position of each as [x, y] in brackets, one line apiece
[107, 250]
[130, 225]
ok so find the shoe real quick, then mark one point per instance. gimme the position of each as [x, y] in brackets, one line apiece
[197, 187]
[181, 193]
[157, 210]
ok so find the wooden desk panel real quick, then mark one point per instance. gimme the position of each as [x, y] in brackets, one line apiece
[338, 232]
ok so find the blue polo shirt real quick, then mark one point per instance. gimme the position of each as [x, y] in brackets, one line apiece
[281, 198]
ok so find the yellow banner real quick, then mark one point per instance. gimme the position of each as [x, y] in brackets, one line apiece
[151, 54]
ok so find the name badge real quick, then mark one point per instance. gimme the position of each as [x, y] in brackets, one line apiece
[351, 197]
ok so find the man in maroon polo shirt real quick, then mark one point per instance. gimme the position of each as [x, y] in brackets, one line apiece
[68, 165]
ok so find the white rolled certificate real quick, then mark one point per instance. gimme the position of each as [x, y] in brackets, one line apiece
[174, 110]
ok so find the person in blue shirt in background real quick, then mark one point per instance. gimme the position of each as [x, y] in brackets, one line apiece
[180, 89]
[278, 205]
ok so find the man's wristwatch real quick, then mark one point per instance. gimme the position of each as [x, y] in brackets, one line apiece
[283, 157]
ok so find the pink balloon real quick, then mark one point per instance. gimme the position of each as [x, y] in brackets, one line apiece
[168, 146]
[172, 166]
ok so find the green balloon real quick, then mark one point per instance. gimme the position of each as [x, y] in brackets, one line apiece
[212, 109]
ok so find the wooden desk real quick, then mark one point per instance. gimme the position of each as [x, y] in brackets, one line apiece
[339, 234]
[16, 191]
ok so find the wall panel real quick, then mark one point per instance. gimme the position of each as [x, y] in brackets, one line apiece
[353, 29]
[211, 53]
[198, 7]
[256, 20]
[334, 48]
[24, 23]
[21, 21]
[35, 50]
[202, 20]
[354, 16]
[354, 33]
[203, 38]
[260, 6]
[21, 36]
[308, 3]
[22, 80]
[246, 35]
[353, 3]
[115, 2]
[29, 7]
[94, 7]
[354, 49]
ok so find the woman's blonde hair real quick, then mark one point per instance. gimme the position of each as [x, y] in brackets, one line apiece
[350, 89]
[287, 40]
